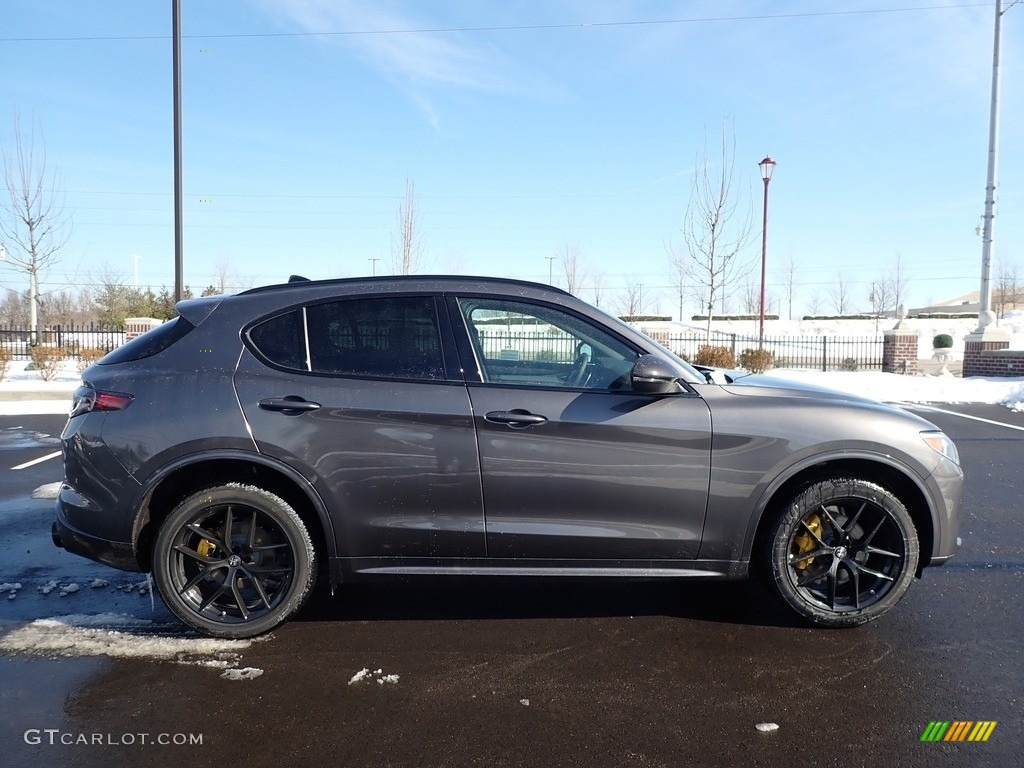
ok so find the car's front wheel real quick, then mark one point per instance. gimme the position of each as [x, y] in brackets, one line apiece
[842, 552]
[233, 561]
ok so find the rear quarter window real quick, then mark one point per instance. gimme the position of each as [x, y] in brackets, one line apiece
[281, 340]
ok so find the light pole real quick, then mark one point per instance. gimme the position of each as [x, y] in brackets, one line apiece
[551, 263]
[767, 166]
[373, 266]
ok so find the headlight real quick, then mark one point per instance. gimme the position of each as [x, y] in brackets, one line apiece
[940, 443]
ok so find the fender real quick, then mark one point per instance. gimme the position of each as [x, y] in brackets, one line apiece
[145, 493]
[810, 462]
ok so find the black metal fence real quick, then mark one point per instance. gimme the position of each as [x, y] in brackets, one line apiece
[71, 337]
[824, 353]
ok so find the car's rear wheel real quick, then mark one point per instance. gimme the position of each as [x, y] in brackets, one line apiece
[843, 552]
[233, 561]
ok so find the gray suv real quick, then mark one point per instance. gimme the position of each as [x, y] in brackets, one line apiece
[388, 428]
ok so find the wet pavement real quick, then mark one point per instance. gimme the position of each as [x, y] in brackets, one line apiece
[530, 674]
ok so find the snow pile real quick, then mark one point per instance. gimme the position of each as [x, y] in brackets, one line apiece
[366, 674]
[11, 587]
[249, 673]
[894, 388]
[121, 636]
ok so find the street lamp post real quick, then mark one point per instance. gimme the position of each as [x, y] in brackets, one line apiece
[373, 266]
[551, 263]
[767, 166]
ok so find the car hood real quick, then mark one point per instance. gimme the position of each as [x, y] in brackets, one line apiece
[762, 385]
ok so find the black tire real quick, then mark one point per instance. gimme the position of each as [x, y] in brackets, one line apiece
[233, 561]
[843, 552]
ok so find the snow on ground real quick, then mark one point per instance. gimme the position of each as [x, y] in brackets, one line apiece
[18, 379]
[894, 388]
[122, 636]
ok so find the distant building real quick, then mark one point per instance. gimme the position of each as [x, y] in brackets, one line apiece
[969, 303]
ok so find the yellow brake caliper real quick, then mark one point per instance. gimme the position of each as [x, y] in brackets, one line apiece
[805, 542]
[205, 547]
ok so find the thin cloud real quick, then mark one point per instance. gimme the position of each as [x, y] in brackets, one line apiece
[416, 58]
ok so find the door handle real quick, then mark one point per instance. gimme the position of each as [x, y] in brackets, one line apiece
[291, 404]
[516, 418]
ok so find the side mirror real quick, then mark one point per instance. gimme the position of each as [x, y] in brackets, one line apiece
[653, 375]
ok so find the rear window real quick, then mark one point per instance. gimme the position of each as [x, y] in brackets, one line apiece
[150, 343]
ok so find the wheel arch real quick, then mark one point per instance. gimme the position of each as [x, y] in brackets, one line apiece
[182, 478]
[893, 477]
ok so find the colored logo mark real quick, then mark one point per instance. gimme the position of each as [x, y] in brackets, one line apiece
[958, 730]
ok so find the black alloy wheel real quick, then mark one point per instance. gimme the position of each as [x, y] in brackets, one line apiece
[234, 561]
[843, 552]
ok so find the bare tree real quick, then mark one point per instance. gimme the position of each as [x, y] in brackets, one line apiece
[751, 297]
[896, 283]
[597, 280]
[880, 297]
[33, 223]
[841, 294]
[816, 303]
[407, 240]
[572, 263]
[716, 229]
[630, 302]
[1006, 293]
[789, 284]
[678, 275]
[13, 309]
[226, 278]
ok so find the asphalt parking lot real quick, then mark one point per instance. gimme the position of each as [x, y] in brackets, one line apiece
[463, 674]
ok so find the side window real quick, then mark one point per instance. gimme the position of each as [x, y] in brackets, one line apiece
[518, 343]
[393, 337]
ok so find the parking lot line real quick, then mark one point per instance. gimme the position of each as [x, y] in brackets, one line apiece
[40, 460]
[964, 416]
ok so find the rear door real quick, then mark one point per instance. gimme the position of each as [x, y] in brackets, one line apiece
[356, 394]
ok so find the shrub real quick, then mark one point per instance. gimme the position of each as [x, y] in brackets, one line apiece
[850, 364]
[942, 341]
[48, 360]
[5, 360]
[87, 356]
[716, 357]
[757, 360]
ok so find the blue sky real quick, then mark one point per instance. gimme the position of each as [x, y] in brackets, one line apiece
[526, 127]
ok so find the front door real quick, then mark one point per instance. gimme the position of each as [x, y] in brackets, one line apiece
[574, 464]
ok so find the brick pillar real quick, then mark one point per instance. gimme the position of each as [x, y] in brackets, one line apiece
[899, 351]
[977, 344]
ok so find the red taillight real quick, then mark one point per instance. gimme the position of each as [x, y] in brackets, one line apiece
[87, 399]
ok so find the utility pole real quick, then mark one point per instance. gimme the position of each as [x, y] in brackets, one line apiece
[985, 314]
[179, 260]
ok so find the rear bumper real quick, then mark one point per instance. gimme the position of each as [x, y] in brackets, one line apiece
[117, 554]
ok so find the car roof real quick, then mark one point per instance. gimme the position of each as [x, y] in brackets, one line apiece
[411, 282]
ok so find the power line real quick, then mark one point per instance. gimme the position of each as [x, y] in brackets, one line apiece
[507, 28]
